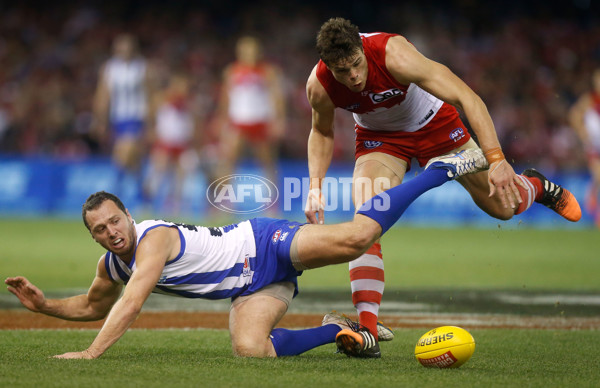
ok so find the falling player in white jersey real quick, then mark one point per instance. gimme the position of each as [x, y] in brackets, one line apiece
[121, 106]
[256, 263]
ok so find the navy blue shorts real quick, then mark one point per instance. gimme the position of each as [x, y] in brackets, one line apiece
[273, 240]
[132, 128]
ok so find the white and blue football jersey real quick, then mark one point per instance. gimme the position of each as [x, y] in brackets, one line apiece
[126, 84]
[219, 262]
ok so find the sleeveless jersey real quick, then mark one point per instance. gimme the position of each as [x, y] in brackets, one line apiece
[214, 263]
[592, 122]
[174, 124]
[127, 90]
[384, 104]
[249, 100]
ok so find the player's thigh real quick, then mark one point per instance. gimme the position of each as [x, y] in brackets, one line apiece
[231, 143]
[376, 172]
[251, 322]
[127, 150]
[317, 246]
[594, 165]
[265, 152]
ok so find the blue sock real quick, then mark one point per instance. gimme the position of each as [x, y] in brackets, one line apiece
[294, 342]
[387, 207]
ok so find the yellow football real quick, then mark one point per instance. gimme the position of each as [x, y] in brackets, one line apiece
[445, 347]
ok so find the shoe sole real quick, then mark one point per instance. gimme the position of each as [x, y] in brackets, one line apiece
[572, 210]
[349, 342]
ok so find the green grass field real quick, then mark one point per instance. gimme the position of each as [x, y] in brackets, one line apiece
[60, 257]
[202, 358]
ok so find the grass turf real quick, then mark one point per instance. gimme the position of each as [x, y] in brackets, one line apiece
[181, 358]
[59, 254]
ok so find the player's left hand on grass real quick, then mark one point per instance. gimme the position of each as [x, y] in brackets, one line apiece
[503, 179]
[76, 355]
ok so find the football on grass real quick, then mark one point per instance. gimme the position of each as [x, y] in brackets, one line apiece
[445, 347]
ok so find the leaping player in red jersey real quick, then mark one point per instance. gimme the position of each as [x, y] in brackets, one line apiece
[404, 106]
[585, 119]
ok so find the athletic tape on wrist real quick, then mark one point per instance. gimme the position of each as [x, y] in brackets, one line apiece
[494, 155]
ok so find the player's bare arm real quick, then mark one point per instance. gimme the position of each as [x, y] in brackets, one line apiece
[576, 116]
[86, 307]
[158, 246]
[407, 65]
[101, 105]
[275, 86]
[320, 145]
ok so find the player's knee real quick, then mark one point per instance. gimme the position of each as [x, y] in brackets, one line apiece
[250, 347]
[503, 214]
[360, 241]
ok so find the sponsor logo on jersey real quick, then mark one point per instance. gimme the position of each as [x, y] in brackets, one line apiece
[352, 107]
[386, 95]
[370, 144]
[457, 134]
[162, 280]
[276, 236]
[283, 236]
[242, 193]
[246, 270]
[428, 115]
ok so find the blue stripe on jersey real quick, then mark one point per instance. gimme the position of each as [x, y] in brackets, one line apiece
[182, 250]
[122, 274]
[107, 265]
[221, 294]
[208, 277]
[144, 235]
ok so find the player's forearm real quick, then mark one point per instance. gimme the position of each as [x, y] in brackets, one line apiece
[76, 308]
[118, 321]
[320, 153]
[481, 123]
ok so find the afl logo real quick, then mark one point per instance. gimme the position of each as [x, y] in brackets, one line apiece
[242, 194]
[370, 144]
[457, 134]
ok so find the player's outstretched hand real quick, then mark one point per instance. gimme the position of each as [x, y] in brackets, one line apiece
[29, 295]
[315, 206]
[502, 179]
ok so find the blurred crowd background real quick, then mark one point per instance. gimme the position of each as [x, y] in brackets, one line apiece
[528, 60]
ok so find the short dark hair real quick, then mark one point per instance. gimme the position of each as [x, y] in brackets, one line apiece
[338, 39]
[95, 200]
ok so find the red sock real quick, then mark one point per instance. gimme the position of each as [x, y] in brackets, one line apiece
[367, 283]
[529, 196]
[368, 320]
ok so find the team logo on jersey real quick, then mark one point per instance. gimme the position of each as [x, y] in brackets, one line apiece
[352, 107]
[246, 270]
[370, 144]
[276, 236]
[457, 134]
[386, 95]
